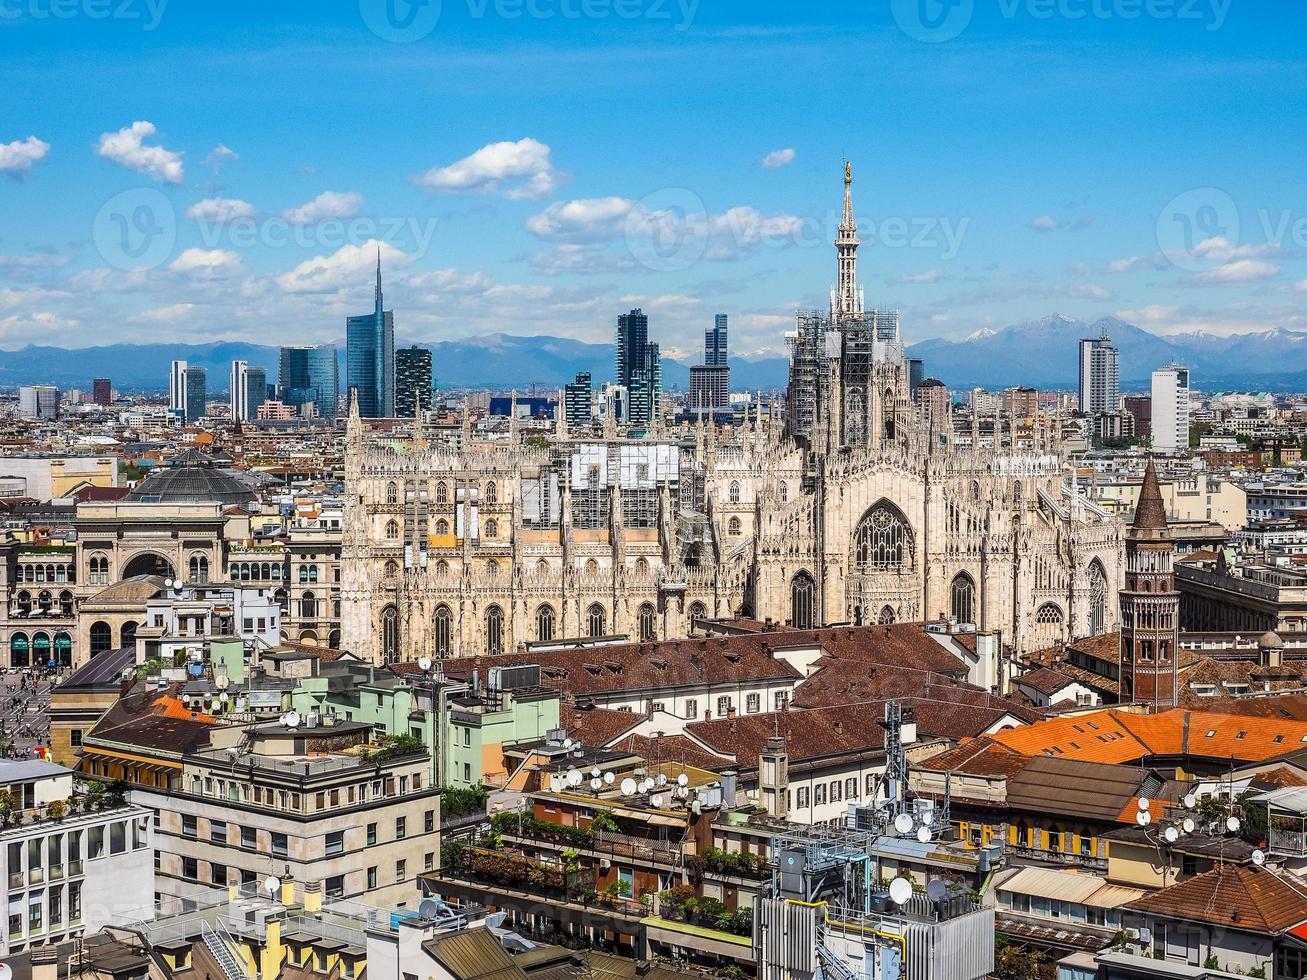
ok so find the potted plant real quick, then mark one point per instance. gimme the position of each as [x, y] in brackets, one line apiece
[55, 810]
[7, 805]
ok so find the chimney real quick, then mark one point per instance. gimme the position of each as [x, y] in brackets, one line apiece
[728, 781]
[45, 962]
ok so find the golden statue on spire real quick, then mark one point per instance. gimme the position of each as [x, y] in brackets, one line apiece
[848, 172]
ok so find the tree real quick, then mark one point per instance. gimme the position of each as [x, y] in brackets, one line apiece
[1016, 962]
[8, 803]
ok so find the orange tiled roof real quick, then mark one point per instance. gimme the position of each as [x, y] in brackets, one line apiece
[1117, 737]
[170, 707]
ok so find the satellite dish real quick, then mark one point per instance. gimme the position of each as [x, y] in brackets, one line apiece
[646, 786]
[900, 890]
[1188, 825]
[923, 834]
[1259, 857]
[609, 779]
[429, 909]
[682, 780]
[696, 808]
[1142, 818]
[292, 719]
[6, 972]
[595, 772]
[167, 583]
[662, 779]
[1190, 801]
[1143, 803]
[424, 664]
[222, 682]
[186, 699]
[903, 823]
[224, 697]
[555, 782]
[595, 784]
[1232, 825]
[657, 801]
[936, 890]
[573, 777]
[628, 787]
[567, 743]
[1171, 834]
[273, 885]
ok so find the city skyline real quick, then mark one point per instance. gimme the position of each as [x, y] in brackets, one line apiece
[517, 223]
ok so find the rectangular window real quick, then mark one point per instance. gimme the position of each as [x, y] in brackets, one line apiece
[802, 797]
[819, 794]
[401, 825]
[218, 831]
[723, 706]
[835, 790]
[335, 887]
[753, 703]
[189, 826]
[780, 700]
[401, 870]
[335, 843]
[372, 878]
[218, 874]
[429, 821]
[118, 838]
[249, 838]
[372, 834]
[190, 869]
[280, 847]
[429, 861]
[691, 708]
[851, 788]
[96, 843]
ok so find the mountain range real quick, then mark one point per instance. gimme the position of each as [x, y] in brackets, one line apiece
[1041, 353]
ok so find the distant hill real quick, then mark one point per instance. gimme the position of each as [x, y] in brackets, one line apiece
[1041, 353]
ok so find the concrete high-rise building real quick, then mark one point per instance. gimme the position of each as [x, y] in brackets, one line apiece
[1020, 403]
[187, 391]
[1140, 408]
[249, 390]
[370, 357]
[710, 382]
[1170, 409]
[934, 404]
[310, 376]
[639, 368]
[412, 381]
[38, 402]
[578, 401]
[1150, 605]
[102, 391]
[1100, 376]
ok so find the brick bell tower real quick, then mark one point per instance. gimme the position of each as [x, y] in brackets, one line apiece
[1150, 605]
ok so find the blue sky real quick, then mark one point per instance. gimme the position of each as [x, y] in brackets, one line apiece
[186, 171]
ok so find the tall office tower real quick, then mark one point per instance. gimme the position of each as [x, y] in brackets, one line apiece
[197, 393]
[412, 381]
[639, 367]
[1100, 376]
[714, 343]
[310, 379]
[916, 373]
[370, 357]
[1150, 605]
[177, 389]
[1140, 408]
[934, 405]
[1170, 409]
[38, 402]
[577, 397]
[249, 389]
[710, 382]
[102, 391]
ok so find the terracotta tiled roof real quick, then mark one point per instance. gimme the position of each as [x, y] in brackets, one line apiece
[596, 726]
[1235, 896]
[1045, 680]
[1116, 736]
[672, 748]
[1150, 512]
[979, 757]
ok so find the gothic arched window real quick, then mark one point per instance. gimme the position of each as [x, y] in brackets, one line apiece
[783, 489]
[648, 622]
[389, 635]
[1097, 598]
[442, 494]
[392, 530]
[733, 493]
[962, 604]
[803, 601]
[698, 611]
[886, 616]
[733, 527]
[545, 624]
[442, 568]
[444, 631]
[1048, 625]
[492, 496]
[642, 566]
[442, 526]
[591, 567]
[494, 631]
[392, 569]
[596, 621]
[883, 541]
[392, 493]
[492, 528]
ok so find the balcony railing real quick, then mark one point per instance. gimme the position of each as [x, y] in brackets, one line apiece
[1288, 842]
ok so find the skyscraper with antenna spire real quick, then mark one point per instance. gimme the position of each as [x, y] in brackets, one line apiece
[370, 356]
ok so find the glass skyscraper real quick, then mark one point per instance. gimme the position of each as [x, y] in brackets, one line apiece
[412, 381]
[370, 357]
[639, 367]
[311, 376]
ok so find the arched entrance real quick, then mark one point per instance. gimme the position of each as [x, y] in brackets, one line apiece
[148, 563]
[882, 567]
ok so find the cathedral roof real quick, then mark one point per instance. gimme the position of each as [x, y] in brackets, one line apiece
[1150, 512]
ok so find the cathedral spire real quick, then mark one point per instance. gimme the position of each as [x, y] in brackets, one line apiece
[845, 299]
[1150, 512]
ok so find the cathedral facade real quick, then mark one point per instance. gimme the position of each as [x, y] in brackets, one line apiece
[853, 509]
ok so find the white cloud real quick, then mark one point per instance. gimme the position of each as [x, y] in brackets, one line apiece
[23, 328]
[921, 278]
[451, 281]
[525, 166]
[778, 158]
[167, 314]
[12, 299]
[595, 219]
[1221, 249]
[346, 268]
[199, 263]
[1089, 290]
[220, 156]
[1135, 263]
[16, 158]
[25, 263]
[1043, 223]
[1240, 270]
[1300, 286]
[326, 206]
[217, 210]
[127, 148]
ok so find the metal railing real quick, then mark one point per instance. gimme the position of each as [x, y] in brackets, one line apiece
[217, 940]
